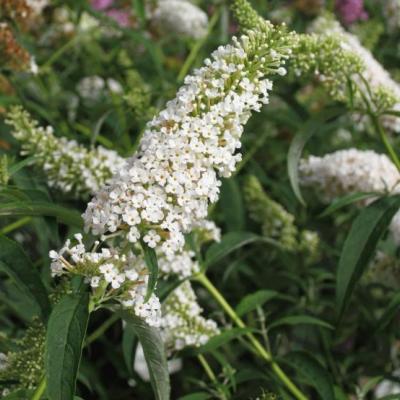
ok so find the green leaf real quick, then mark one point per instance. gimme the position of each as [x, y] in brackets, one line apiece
[224, 337]
[316, 124]
[339, 394]
[43, 209]
[154, 354]
[229, 243]
[129, 344]
[15, 263]
[360, 245]
[140, 10]
[150, 258]
[21, 164]
[98, 126]
[253, 300]
[347, 200]
[390, 312]
[313, 373]
[294, 155]
[232, 205]
[64, 342]
[300, 319]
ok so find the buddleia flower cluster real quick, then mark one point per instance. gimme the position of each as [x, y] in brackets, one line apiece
[138, 97]
[69, 166]
[324, 58]
[183, 264]
[277, 223]
[350, 171]
[111, 274]
[165, 189]
[180, 17]
[372, 84]
[182, 324]
[246, 17]
[22, 367]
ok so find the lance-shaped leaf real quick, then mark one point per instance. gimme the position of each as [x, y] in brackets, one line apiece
[254, 300]
[360, 245]
[41, 209]
[66, 332]
[150, 258]
[310, 127]
[347, 200]
[15, 263]
[313, 373]
[154, 354]
[229, 243]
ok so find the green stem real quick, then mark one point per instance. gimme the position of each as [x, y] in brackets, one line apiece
[207, 368]
[59, 53]
[39, 390]
[378, 126]
[15, 225]
[201, 278]
[101, 329]
[196, 48]
[210, 373]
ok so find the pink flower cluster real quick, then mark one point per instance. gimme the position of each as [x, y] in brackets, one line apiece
[121, 15]
[351, 11]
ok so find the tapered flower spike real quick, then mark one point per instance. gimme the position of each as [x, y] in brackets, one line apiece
[246, 17]
[22, 367]
[277, 223]
[347, 69]
[165, 189]
[69, 166]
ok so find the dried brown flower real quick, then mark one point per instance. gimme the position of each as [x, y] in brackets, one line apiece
[16, 10]
[12, 54]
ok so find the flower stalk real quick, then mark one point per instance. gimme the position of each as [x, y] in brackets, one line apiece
[257, 346]
[382, 134]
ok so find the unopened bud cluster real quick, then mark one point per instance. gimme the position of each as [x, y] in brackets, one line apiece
[277, 223]
[22, 367]
[354, 65]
